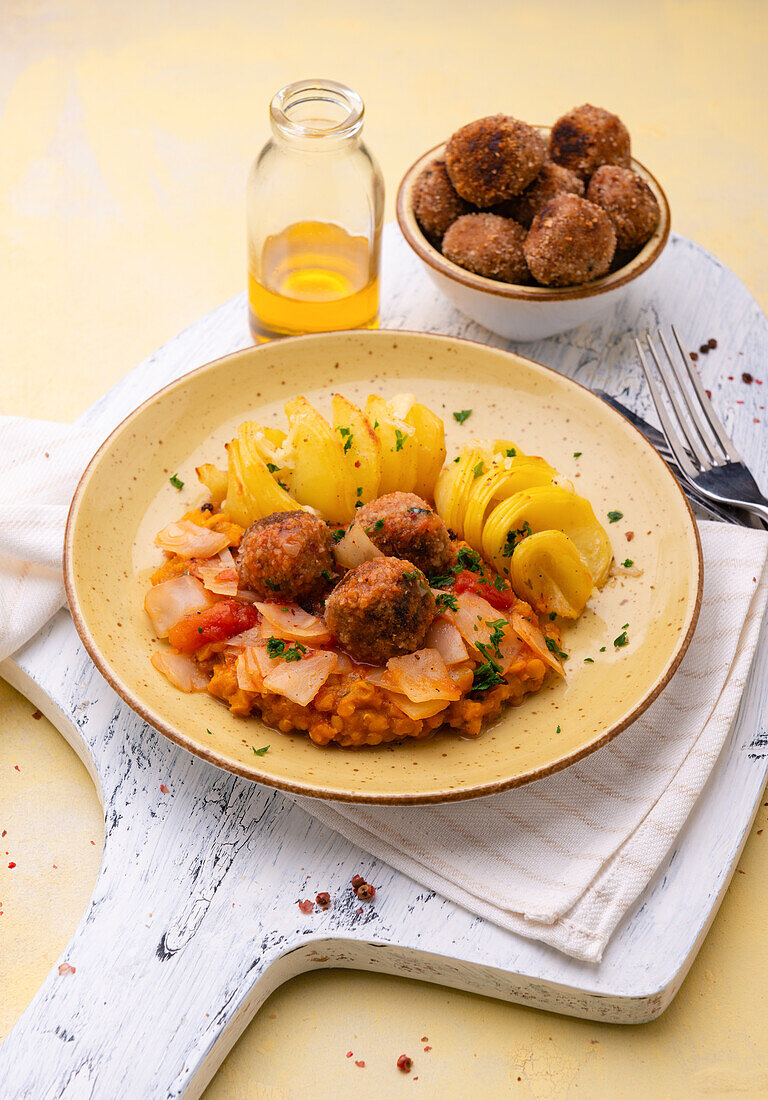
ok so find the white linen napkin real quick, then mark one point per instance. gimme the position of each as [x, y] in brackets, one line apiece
[560, 860]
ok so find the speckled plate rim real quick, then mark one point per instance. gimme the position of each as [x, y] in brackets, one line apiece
[315, 791]
[411, 230]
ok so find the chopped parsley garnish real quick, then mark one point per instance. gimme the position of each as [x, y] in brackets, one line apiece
[478, 470]
[499, 583]
[273, 586]
[272, 468]
[176, 482]
[260, 752]
[511, 452]
[553, 647]
[326, 575]
[577, 454]
[627, 563]
[413, 575]
[400, 438]
[338, 534]
[277, 647]
[486, 675]
[347, 443]
[375, 425]
[614, 517]
[358, 504]
[443, 580]
[359, 490]
[347, 436]
[462, 416]
[602, 649]
[514, 537]
[589, 660]
[457, 459]
[446, 600]
[497, 633]
[552, 616]
[417, 512]
[344, 432]
[376, 527]
[622, 640]
[557, 730]
[282, 484]
[210, 732]
[468, 559]
[199, 630]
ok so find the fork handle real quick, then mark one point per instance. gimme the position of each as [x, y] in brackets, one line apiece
[759, 510]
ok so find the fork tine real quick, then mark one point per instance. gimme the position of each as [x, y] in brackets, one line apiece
[692, 438]
[692, 407]
[679, 451]
[706, 405]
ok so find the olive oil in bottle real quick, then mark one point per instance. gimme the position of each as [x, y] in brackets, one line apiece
[315, 207]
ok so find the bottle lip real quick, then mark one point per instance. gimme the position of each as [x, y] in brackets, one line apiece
[294, 100]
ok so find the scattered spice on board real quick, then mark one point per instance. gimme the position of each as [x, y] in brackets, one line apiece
[366, 892]
[37, 715]
[360, 1064]
[629, 535]
[404, 1063]
[306, 906]
[65, 968]
[163, 788]
[11, 865]
[349, 1054]
[355, 881]
[747, 377]
[323, 900]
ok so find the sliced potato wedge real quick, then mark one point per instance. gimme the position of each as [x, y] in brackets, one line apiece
[252, 491]
[429, 432]
[214, 479]
[547, 508]
[502, 480]
[548, 572]
[399, 447]
[360, 445]
[320, 476]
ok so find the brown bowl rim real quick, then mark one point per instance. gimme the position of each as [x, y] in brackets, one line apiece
[177, 736]
[430, 255]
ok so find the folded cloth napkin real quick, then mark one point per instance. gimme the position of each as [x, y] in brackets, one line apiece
[560, 860]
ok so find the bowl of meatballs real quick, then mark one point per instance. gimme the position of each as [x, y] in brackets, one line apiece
[532, 230]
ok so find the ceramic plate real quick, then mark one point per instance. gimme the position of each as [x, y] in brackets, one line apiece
[125, 497]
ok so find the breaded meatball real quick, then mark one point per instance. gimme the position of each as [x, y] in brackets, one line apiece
[381, 609]
[288, 555]
[488, 245]
[629, 203]
[402, 525]
[494, 158]
[571, 241]
[587, 137]
[551, 180]
[436, 203]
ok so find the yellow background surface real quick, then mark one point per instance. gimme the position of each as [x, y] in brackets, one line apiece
[126, 131]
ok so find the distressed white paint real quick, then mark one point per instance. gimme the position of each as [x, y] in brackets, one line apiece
[194, 921]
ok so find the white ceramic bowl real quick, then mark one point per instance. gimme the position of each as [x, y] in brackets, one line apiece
[517, 312]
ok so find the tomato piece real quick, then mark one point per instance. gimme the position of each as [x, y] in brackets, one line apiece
[470, 582]
[225, 619]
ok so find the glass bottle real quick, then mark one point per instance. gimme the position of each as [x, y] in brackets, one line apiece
[315, 205]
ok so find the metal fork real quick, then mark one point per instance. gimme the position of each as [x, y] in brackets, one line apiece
[704, 453]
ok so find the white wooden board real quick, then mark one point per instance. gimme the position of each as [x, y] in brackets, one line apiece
[194, 921]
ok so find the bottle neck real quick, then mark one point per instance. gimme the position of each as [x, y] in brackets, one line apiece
[317, 116]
